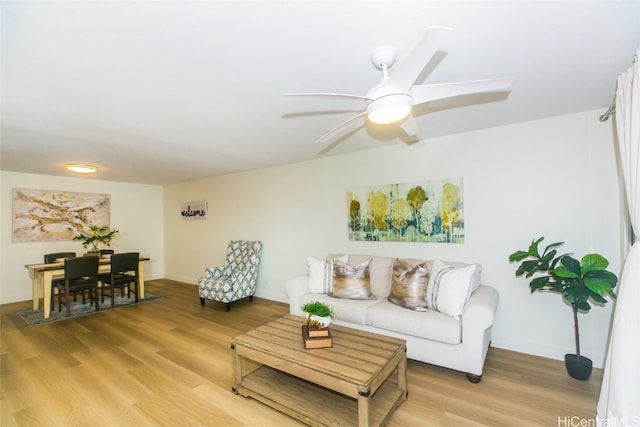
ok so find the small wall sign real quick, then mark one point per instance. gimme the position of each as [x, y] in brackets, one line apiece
[194, 210]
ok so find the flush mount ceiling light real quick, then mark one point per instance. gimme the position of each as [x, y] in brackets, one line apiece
[81, 168]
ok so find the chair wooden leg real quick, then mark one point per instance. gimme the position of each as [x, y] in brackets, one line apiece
[68, 304]
[227, 306]
[136, 293]
[201, 301]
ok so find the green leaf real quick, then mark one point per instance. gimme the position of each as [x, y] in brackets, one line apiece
[518, 256]
[552, 247]
[539, 283]
[547, 258]
[597, 286]
[528, 267]
[594, 262]
[572, 264]
[564, 273]
[576, 294]
[533, 247]
[598, 298]
[585, 306]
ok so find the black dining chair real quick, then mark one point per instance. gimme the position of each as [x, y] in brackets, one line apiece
[107, 252]
[54, 257]
[124, 273]
[80, 274]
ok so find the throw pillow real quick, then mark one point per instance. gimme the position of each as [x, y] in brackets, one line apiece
[449, 288]
[316, 275]
[409, 285]
[351, 282]
[320, 274]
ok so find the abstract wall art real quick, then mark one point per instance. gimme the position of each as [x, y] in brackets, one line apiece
[430, 211]
[45, 215]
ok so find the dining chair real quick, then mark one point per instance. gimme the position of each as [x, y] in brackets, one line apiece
[107, 252]
[80, 274]
[54, 257]
[124, 273]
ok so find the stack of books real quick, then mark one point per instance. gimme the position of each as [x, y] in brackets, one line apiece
[316, 337]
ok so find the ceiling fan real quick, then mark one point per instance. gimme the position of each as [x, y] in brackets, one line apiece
[392, 100]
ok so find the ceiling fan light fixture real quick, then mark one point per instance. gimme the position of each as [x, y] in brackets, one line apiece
[389, 109]
[86, 169]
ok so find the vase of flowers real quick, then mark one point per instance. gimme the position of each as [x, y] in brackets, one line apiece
[99, 235]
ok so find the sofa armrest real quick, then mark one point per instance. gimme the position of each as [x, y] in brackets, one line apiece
[480, 311]
[477, 320]
[295, 288]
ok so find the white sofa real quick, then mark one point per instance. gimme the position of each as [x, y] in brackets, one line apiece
[455, 342]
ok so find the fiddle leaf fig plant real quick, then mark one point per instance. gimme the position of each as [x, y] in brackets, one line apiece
[578, 282]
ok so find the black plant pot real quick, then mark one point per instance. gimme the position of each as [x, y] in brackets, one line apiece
[578, 369]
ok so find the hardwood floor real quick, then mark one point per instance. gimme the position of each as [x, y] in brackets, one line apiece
[168, 362]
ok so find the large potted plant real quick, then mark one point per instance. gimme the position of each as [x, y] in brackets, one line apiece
[577, 282]
[100, 235]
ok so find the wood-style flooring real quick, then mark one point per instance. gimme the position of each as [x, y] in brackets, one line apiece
[168, 363]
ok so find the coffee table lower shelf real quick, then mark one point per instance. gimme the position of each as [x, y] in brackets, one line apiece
[312, 404]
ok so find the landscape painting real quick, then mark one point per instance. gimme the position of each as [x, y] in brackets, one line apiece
[430, 211]
[44, 215]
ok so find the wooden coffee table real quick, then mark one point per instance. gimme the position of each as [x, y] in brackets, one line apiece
[350, 383]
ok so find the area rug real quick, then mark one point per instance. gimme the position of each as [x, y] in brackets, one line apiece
[34, 318]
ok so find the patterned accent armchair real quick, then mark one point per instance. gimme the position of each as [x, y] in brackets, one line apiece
[238, 277]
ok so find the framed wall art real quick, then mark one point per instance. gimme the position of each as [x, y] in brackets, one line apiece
[44, 215]
[429, 211]
[194, 210]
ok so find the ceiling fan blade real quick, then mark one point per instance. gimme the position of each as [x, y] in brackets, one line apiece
[410, 126]
[341, 129]
[323, 95]
[408, 71]
[427, 93]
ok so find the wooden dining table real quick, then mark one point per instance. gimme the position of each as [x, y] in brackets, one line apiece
[42, 274]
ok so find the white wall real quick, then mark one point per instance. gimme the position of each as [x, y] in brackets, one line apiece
[136, 210]
[555, 178]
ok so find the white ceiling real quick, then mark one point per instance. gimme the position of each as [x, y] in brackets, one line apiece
[160, 92]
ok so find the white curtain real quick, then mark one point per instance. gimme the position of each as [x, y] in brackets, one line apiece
[619, 403]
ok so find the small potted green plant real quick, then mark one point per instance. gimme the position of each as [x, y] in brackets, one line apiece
[100, 235]
[577, 282]
[319, 314]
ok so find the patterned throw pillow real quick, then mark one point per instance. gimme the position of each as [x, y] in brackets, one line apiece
[351, 282]
[409, 285]
[449, 288]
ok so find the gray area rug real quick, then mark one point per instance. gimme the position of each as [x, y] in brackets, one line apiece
[34, 318]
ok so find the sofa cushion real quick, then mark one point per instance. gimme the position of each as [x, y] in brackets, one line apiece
[409, 285]
[346, 310]
[321, 273]
[429, 324]
[449, 287]
[351, 281]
